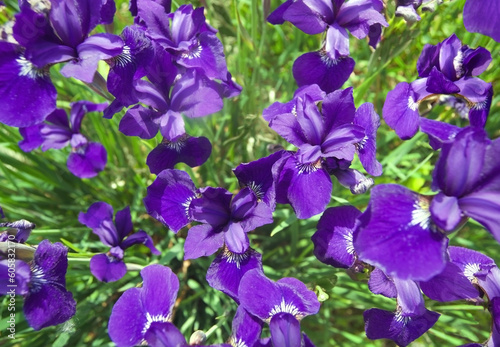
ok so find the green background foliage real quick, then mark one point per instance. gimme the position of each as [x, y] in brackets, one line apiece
[37, 185]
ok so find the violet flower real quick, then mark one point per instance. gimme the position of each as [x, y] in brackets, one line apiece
[281, 304]
[62, 35]
[144, 314]
[411, 319]
[110, 267]
[338, 131]
[225, 219]
[42, 283]
[87, 159]
[448, 68]
[330, 67]
[483, 18]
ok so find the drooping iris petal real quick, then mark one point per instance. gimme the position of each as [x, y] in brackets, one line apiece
[164, 334]
[26, 93]
[246, 329]
[228, 268]
[395, 235]
[88, 160]
[140, 121]
[127, 319]
[106, 268]
[318, 68]
[168, 198]
[484, 208]
[380, 283]
[99, 218]
[380, 324]
[309, 16]
[140, 237]
[367, 118]
[296, 292]
[333, 239]
[32, 138]
[449, 285]
[123, 222]
[438, 132]
[481, 17]
[193, 151]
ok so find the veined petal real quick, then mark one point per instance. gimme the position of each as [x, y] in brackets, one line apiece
[159, 291]
[202, 240]
[480, 17]
[445, 211]
[285, 330]
[311, 17]
[107, 269]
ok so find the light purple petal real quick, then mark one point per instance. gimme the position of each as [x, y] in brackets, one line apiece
[245, 327]
[201, 241]
[258, 294]
[164, 334]
[236, 238]
[337, 42]
[285, 330]
[400, 111]
[311, 17]
[140, 121]
[127, 319]
[159, 290]
[379, 283]
[445, 212]
[367, 118]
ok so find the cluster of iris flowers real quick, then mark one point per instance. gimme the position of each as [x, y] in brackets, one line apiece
[168, 64]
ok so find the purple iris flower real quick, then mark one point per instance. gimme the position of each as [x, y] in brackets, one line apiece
[62, 35]
[337, 131]
[225, 219]
[228, 268]
[110, 267]
[484, 18]
[246, 329]
[144, 314]
[87, 159]
[27, 94]
[330, 67]
[468, 180]
[448, 68]
[411, 319]
[42, 283]
[281, 304]
[193, 151]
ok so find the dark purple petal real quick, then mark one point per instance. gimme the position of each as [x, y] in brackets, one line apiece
[213, 207]
[202, 240]
[449, 51]
[276, 17]
[123, 222]
[308, 187]
[106, 268]
[484, 208]
[395, 235]
[285, 330]
[228, 268]
[248, 212]
[164, 334]
[108, 10]
[475, 61]
[88, 160]
[358, 16]
[26, 93]
[380, 324]
[159, 290]
[79, 109]
[140, 121]
[193, 151]
[438, 132]
[168, 198]
[311, 17]
[445, 211]
[481, 17]
[245, 328]
[338, 108]
[400, 111]
[340, 142]
[367, 118]
[288, 127]
[127, 319]
[32, 138]
[257, 175]
[480, 109]
[438, 83]
[379, 283]
[449, 285]
[99, 218]
[460, 163]
[18, 284]
[318, 68]
[140, 237]
[429, 58]
[333, 239]
[49, 305]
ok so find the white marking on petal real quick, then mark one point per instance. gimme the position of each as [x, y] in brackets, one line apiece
[481, 105]
[26, 68]
[308, 168]
[195, 53]
[236, 258]
[124, 57]
[421, 215]
[470, 270]
[329, 62]
[402, 319]
[37, 279]
[361, 144]
[154, 319]
[186, 204]
[257, 189]
[237, 342]
[285, 308]
[458, 64]
[349, 243]
[412, 104]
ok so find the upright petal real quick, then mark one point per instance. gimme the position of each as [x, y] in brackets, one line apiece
[159, 290]
[285, 330]
[99, 218]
